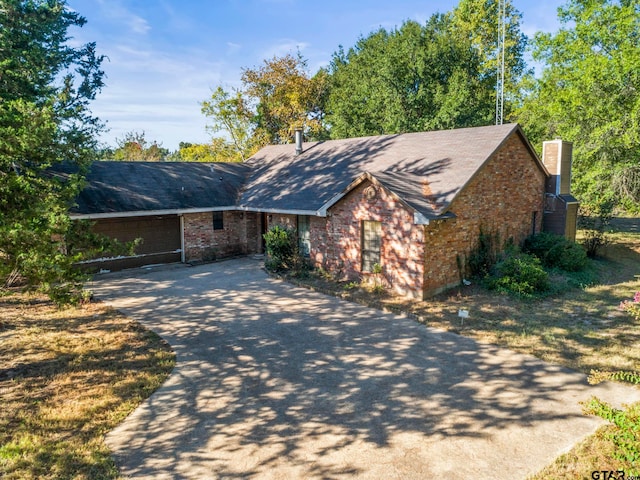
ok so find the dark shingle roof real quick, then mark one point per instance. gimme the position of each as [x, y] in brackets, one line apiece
[151, 186]
[425, 170]
[440, 163]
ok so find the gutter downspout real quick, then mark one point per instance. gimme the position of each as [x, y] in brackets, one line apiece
[182, 252]
[298, 132]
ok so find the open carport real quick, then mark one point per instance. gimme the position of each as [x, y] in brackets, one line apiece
[275, 381]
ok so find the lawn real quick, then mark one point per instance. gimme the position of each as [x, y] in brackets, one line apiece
[67, 377]
[579, 326]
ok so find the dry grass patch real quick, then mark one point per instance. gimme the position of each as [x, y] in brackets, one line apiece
[67, 377]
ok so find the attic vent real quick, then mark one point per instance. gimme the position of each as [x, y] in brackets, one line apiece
[370, 192]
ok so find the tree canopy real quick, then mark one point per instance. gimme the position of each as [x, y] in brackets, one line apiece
[589, 93]
[275, 99]
[230, 114]
[46, 86]
[476, 20]
[418, 77]
[423, 77]
[286, 97]
[134, 146]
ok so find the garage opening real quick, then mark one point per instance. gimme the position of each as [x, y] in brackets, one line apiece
[161, 241]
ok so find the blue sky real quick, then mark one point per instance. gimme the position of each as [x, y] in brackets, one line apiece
[166, 56]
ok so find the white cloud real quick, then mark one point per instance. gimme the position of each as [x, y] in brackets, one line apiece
[283, 47]
[158, 92]
[233, 47]
[139, 25]
[116, 11]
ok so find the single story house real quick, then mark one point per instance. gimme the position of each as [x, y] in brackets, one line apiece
[412, 203]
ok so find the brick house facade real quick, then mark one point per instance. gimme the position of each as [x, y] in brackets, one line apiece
[231, 234]
[505, 198]
[405, 209]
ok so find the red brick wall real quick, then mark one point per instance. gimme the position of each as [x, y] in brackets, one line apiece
[252, 229]
[420, 260]
[501, 199]
[203, 243]
[337, 246]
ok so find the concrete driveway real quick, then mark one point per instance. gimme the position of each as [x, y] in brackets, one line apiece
[274, 381]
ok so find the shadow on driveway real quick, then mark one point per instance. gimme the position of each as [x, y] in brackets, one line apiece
[275, 381]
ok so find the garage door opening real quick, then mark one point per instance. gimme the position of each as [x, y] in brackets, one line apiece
[161, 241]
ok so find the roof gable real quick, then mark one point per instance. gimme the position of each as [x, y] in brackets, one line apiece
[425, 170]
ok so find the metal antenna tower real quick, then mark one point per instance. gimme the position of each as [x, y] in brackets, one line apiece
[502, 28]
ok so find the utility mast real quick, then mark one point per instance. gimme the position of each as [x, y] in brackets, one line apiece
[502, 28]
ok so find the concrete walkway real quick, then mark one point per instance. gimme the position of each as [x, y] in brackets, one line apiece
[274, 381]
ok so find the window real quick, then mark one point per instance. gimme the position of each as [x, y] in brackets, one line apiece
[218, 220]
[371, 242]
[304, 238]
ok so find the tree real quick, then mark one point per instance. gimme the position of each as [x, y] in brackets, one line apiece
[589, 93]
[46, 86]
[413, 78]
[134, 147]
[276, 98]
[219, 150]
[231, 115]
[477, 21]
[286, 97]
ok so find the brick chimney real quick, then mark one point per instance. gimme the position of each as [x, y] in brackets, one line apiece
[556, 156]
[561, 208]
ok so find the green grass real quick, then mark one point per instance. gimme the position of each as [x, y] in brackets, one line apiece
[67, 377]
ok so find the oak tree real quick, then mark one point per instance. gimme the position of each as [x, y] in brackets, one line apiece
[414, 78]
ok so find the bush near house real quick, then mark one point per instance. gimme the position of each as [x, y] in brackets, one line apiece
[595, 222]
[282, 249]
[556, 251]
[525, 272]
[519, 273]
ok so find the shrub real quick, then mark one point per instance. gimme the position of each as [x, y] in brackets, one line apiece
[485, 254]
[626, 432]
[281, 247]
[520, 274]
[595, 219]
[556, 251]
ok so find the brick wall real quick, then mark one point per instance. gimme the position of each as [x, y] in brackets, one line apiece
[336, 241]
[239, 235]
[421, 261]
[501, 199]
